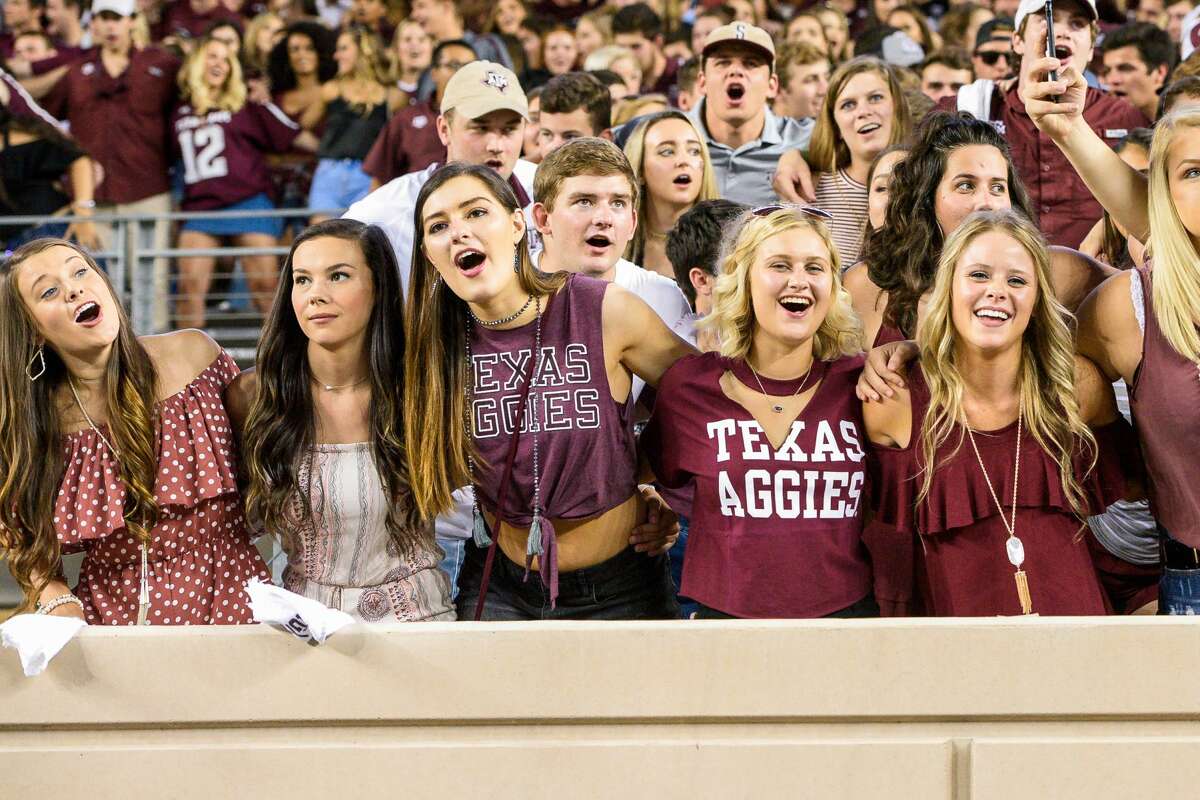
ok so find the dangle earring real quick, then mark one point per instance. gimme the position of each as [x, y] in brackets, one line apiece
[40, 357]
[517, 259]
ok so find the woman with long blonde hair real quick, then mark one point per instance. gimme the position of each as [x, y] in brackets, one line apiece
[671, 162]
[1141, 325]
[1003, 440]
[863, 114]
[223, 141]
[118, 447]
[358, 102]
[770, 431]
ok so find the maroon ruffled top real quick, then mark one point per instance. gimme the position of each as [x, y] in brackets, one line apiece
[961, 534]
[201, 552]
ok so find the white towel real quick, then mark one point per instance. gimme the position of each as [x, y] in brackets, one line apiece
[306, 619]
[38, 638]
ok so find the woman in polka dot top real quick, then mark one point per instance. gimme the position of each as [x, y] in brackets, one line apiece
[116, 446]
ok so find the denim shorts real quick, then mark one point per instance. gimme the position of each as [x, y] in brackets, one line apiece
[1179, 587]
[269, 226]
[338, 184]
[630, 585]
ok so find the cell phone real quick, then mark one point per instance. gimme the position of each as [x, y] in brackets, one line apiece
[1050, 36]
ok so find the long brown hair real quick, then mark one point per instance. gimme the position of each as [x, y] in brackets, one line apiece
[280, 429]
[31, 447]
[435, 394]
[828, 151]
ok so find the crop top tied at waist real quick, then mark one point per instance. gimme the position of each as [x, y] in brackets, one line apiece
[586, 451]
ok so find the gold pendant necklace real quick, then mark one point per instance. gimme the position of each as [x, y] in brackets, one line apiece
[1014, 546]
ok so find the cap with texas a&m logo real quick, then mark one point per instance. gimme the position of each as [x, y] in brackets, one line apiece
[482, 87]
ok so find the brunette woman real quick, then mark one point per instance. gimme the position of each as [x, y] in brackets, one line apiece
[864, 112]
[558, 492]
[837, 33]
[1141, 325]
[298, 66]
[671, 161]
[957, 165]
[117, 447]
[771, 433]
[1002, 440]
[879, 185]
[222, 139]
[357, 104]
[324, 439]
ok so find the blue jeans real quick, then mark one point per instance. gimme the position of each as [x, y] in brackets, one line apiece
[629, 585]
[1179, 592]
[452, 561]
[338, 183]
[686, 606]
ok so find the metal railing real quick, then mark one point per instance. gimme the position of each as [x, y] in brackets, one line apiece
[137, 256]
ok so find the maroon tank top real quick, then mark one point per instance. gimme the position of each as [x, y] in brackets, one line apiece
[586, 452]
[1164, 400]
[962, 536]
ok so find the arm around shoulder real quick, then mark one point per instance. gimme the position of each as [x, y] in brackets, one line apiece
[1094, 394]
[1108, 331]
[646, 346]
[889, 421]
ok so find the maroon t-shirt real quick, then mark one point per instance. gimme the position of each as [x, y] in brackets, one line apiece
[773, 533]
[1164, 400]
[408, 143]
[222, 152]
[121, 122]
[962, 537]
[181, 20]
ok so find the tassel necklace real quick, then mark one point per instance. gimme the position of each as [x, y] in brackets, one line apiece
[144, 587]
[539, 530]
[1014, 547]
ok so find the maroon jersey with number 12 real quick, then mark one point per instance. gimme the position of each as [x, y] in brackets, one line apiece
[223, 152]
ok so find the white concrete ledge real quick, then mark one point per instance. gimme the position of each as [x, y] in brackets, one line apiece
[996, 708]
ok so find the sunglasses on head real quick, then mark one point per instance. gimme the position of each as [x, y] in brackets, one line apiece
[816, 213]
[990, 57]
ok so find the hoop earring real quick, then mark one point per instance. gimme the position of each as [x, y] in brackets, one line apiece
[40, 357]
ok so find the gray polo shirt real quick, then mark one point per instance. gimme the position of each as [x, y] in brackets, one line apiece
[744, 175]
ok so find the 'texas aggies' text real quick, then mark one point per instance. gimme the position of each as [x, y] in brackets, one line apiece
[562, 397]
[824, 481]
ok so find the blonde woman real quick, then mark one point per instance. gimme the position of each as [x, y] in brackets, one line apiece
[1141, 324]
[620, 60]
[671, 162]
[1003, 440]
[593, 31]
[358, 102]
[412, 54]
[863, 114]
[222, 140]
[262, 34]
[770, 431]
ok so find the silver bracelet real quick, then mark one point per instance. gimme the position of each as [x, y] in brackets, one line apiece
[61, 600]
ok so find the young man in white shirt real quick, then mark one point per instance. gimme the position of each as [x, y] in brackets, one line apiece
[586, 214]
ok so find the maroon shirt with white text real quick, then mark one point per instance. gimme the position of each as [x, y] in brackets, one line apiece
[773, 532]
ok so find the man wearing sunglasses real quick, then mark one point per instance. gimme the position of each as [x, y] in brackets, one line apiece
[993, 58]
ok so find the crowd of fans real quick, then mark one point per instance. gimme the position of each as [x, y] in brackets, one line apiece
[666, 148]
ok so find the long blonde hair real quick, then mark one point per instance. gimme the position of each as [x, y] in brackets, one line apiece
[828, 151]
[1176, 285]
[203, 98]
[635, 151]
[1047, 372]
[370, 66]
[732, 316]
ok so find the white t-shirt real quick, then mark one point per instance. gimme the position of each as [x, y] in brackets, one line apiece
[664, 296]
[391, 207]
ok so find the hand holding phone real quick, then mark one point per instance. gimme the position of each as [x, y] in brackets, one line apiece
[1050, 36]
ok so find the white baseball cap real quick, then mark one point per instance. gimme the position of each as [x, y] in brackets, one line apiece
[122, 8]
[1028, 7]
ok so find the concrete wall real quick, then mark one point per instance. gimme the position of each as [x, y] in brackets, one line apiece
[994, 709]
